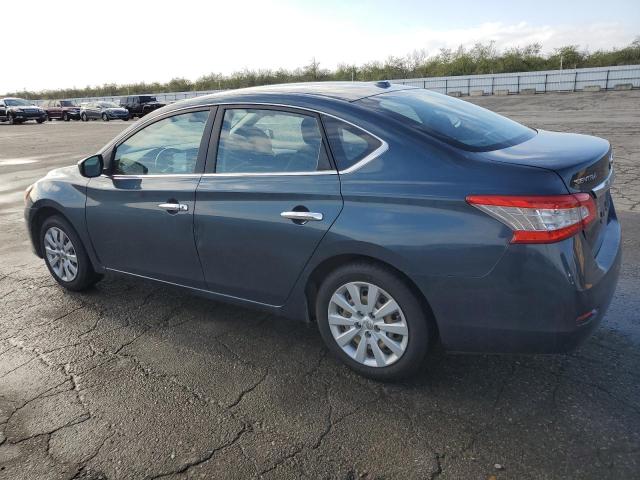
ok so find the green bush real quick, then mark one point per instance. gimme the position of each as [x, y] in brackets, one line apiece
[481, 58]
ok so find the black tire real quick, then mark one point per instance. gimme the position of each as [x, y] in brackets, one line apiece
[85, 276]
[41, 120]
[11, 119]
[65, 117]
[105, 117]
[418, 320]
[83, 117]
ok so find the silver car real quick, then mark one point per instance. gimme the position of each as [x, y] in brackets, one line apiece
[105, 110]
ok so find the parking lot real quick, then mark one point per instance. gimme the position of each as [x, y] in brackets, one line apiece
[136, 380]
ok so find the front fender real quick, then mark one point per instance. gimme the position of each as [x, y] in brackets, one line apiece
[62, 192]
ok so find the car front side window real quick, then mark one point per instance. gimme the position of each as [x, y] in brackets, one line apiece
[270, 141]
[168, 146]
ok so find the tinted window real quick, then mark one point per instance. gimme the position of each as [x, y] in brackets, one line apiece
[348, 143]
[270, 141]
[454, 121]
[168, 146]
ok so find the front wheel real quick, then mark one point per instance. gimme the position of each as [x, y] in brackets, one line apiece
[371, 319]
[105, 117]
[83, 117]
[12, 119]
[65, 117]
[65, 256]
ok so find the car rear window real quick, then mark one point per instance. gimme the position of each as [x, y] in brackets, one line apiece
[349, 144]
[451, 120]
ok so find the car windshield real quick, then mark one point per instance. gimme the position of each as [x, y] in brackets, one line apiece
[451, 120]
[67, 103]
[107, 105]
[17, 102]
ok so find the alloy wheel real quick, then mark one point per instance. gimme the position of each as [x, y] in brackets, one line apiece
[368, 324]
[61, 254]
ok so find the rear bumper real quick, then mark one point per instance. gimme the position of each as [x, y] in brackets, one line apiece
[533, 301]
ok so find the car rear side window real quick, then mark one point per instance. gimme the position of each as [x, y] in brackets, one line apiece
[451, 120]
[349, 144]
[168, 146]
[270, 141]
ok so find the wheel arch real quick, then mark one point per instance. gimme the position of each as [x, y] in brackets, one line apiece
[38, 218]
[44, 209]
[328, 265]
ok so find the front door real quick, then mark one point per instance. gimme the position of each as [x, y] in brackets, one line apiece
[270, 195]
[140, 216]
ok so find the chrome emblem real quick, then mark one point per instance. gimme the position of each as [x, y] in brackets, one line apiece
[586, 178]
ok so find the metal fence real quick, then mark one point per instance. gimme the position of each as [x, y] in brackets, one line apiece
[580, 79]
[161, 97]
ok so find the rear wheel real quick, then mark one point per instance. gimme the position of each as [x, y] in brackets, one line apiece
[373, 321]
[65, 256]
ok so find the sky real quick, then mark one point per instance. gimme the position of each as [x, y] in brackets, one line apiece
[72, 43]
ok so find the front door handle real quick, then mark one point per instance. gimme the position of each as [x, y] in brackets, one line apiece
[174, 207]
[303, 216]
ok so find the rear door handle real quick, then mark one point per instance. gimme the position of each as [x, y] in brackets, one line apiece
[174, 207]
[303, 216]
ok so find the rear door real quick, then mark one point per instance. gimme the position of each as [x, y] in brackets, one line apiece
[93, 110]
[140, 216]
[269, 194]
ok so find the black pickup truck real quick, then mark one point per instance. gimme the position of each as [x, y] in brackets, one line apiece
[140, 105]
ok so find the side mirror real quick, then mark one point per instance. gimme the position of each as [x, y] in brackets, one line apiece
[91, 167]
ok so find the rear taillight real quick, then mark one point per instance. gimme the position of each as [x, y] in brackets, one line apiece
[539, 219]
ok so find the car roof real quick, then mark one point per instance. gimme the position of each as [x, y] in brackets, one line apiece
[347, 91]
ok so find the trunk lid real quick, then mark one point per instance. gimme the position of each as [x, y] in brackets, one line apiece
[583, 162]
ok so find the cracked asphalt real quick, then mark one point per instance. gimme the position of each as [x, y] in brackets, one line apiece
[133, 380]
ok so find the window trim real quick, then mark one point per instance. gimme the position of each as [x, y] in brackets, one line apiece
[215, 109]
[110, 152]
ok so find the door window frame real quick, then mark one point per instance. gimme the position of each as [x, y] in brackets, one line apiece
[202, 149]
[212, 154]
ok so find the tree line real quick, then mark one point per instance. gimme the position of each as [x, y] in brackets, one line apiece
[479, 59]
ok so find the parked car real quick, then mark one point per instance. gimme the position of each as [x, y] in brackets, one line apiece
[140, 105]
[104, 110]
[61, 109]
[392, 216]
[18, 110]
